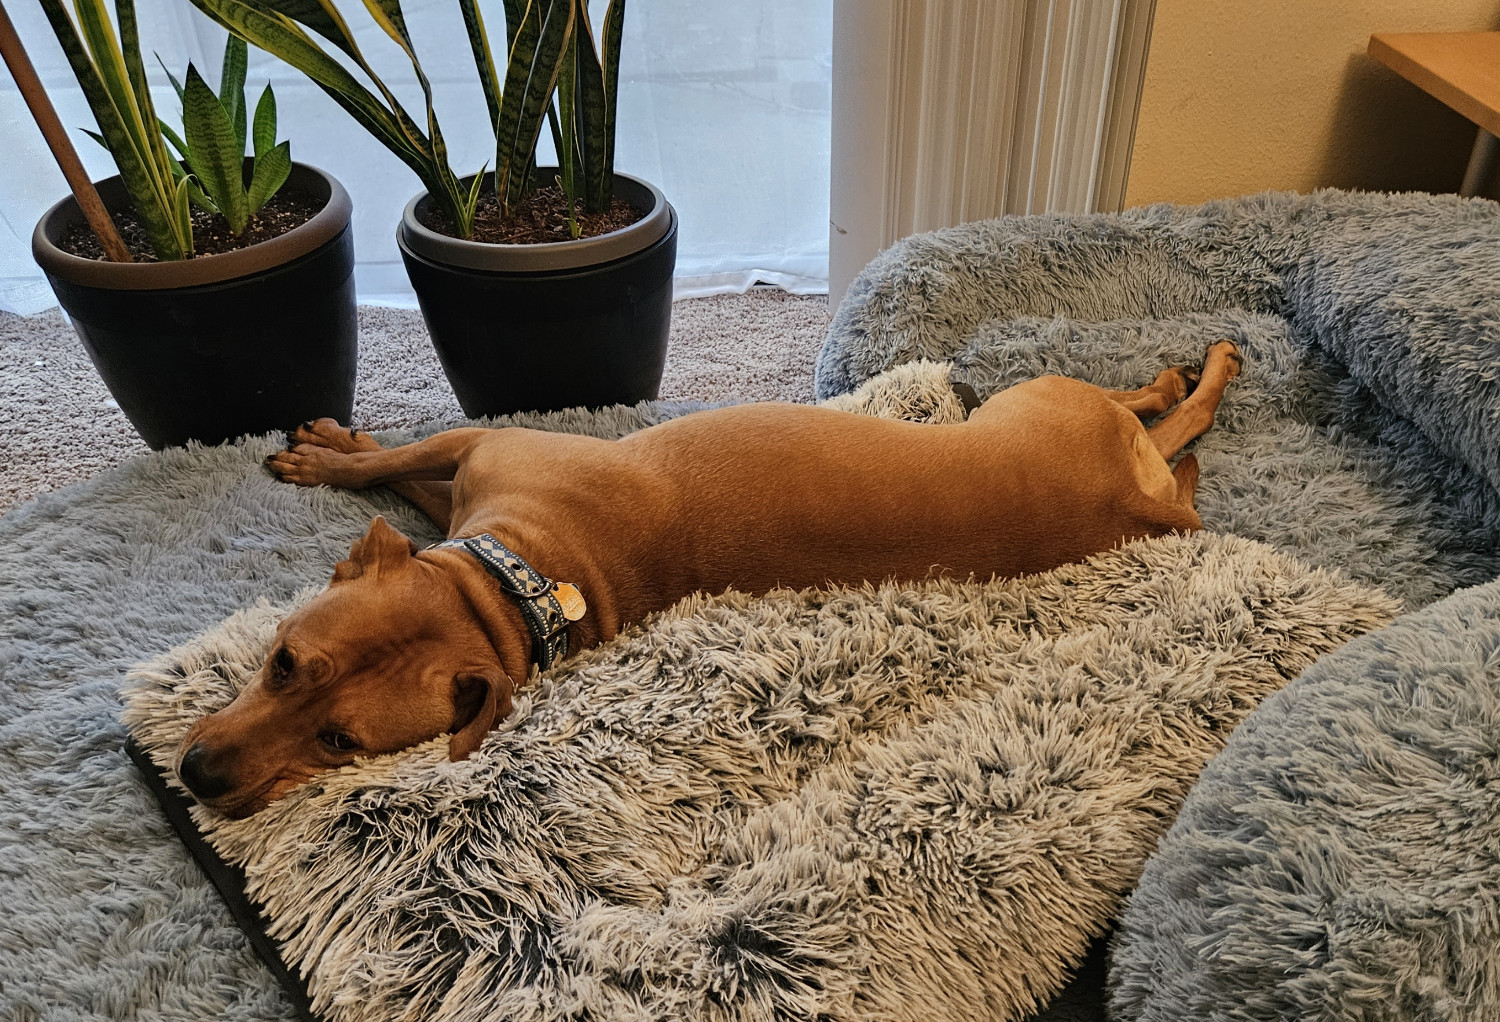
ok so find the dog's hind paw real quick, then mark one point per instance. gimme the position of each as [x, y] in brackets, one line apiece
[1230, 353]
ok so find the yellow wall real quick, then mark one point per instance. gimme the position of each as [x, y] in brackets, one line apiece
[1243, 96]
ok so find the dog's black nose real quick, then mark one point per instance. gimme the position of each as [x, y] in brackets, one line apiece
[199, 777]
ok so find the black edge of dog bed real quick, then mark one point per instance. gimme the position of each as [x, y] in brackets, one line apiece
[228, 880]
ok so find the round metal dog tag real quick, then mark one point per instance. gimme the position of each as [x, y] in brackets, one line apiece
[571, 600]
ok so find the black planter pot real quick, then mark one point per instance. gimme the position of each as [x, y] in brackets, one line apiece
[213, 348]
[542, 327]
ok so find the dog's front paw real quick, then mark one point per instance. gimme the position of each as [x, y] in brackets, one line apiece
[330, 434]
[308, 465]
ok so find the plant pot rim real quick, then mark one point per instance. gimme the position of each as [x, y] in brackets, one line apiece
[551, 255]
[328, 223]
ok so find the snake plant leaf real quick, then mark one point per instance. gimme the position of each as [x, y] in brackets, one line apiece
[566, 157]
[609, 56]
[176, 142]
[523, 31]
[271, 170]
[104, 51]
[261, 23]
[232, 84]
[471, 201]
[265, 122]
[388, 15]
[322, 17]
[589, 116]
[451, 197]
[514, 11]
[182, 215]
[141, 182]
[218, 162]
[562, 118]
[195, 194]
[280, 35]
[476, 185]
[176, 85]
[130, 53]
[535, 60]
[484, 60]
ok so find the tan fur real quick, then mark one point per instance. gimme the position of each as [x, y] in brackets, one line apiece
[406, 645]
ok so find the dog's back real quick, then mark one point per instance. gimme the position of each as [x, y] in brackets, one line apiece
[756, 496]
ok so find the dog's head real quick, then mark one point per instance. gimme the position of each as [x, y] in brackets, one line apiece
[388, 656]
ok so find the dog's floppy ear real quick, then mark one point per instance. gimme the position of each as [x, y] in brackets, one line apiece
[380, 548]
[480, 701]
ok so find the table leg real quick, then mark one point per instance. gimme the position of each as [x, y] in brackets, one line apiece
[1481, 162]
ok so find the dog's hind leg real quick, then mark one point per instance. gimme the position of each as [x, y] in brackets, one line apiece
[1186, 474]
[1195, 415]
[1169, 387]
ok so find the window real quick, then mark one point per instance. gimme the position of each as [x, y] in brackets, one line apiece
[723, 105]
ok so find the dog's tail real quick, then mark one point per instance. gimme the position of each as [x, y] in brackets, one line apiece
[1186, 474]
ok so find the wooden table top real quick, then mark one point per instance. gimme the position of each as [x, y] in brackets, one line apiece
[1460, 68]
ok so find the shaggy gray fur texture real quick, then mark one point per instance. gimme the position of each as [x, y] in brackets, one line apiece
[902, 803]
[1363, 433]
[1341, 858]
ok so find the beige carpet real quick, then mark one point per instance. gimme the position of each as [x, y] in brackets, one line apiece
[58, 424]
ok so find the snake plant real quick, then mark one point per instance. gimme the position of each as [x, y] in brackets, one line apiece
[216, 129]
[113, 79]
[554, 70]
[110, 70]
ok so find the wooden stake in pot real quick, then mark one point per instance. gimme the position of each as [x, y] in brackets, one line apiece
[57, 140]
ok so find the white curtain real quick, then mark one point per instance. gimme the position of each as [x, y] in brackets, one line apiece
[953, 110]
[724, 105]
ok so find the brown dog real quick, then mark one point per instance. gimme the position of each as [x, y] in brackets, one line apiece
[404, 645]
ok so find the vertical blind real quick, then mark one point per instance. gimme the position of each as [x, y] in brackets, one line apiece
[724, 105]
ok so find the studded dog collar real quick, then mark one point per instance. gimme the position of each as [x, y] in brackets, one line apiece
[548, 606]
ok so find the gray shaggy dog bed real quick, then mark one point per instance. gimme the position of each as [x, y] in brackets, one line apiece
[1362, 434]
[1340, 859]
[904, 802]
[107, 917]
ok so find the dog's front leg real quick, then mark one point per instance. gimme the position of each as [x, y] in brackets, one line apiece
[324, 453]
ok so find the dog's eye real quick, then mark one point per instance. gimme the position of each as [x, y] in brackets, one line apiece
[283, 662]
[338, 741]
